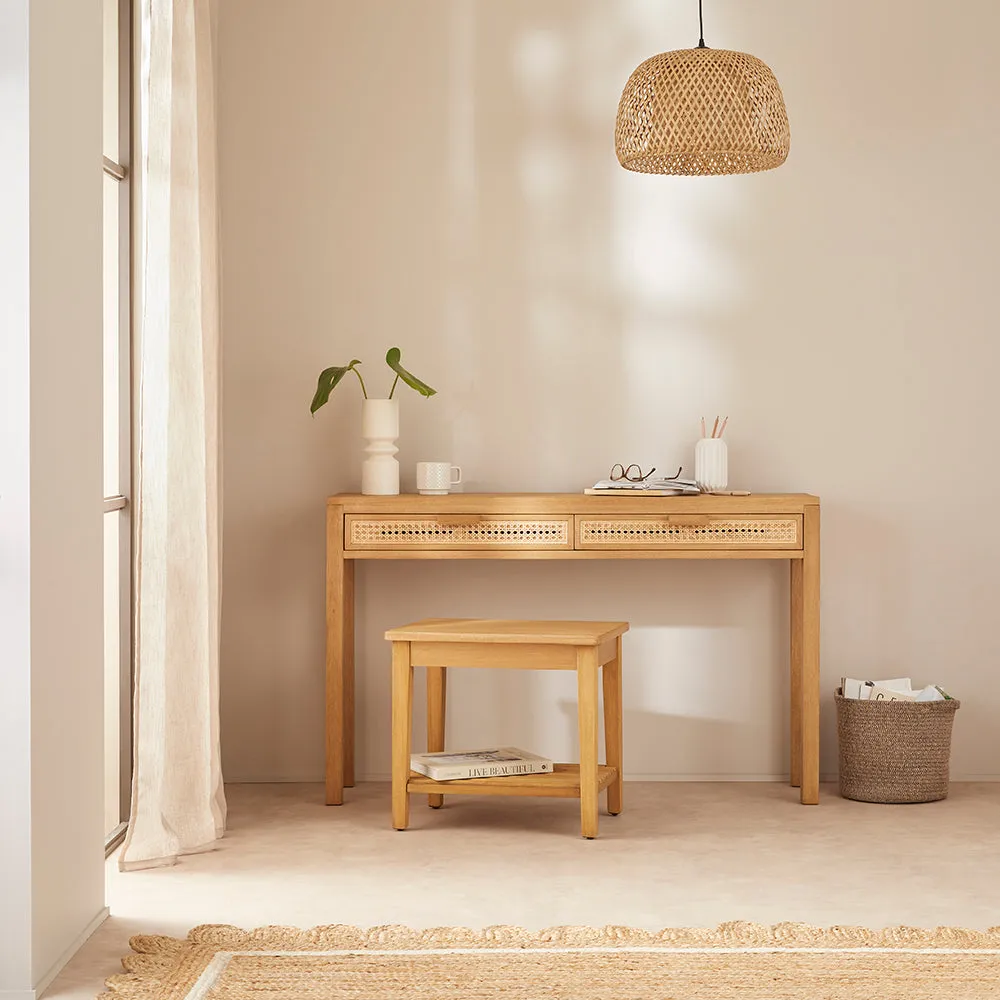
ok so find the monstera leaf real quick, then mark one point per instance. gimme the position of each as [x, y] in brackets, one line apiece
[328, 380]
[392, 360]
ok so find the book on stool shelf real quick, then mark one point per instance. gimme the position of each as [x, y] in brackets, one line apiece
[493, 762]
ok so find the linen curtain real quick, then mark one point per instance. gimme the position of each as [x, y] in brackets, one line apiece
[178, 802]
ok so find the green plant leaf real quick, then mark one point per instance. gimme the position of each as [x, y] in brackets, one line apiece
[392, 360]
[328, 379]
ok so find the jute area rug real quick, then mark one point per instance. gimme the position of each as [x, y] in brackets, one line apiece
[736, 960]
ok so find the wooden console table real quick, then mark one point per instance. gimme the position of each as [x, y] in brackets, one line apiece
[572, 526]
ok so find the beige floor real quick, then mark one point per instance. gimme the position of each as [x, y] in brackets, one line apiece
[680, 854]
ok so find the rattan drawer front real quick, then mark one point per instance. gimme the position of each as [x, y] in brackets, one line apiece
[471, 531]
[689, 532]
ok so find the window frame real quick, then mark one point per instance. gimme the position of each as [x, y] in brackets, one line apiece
[120, 505]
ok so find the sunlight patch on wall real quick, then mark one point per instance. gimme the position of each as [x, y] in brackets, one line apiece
[669, 241]
[540, 65]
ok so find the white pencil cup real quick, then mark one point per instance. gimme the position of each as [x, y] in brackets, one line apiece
[711, 464]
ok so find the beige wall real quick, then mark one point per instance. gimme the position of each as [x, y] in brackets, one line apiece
[67, 610]
[51, 681]
[441, 176]
[15, 507]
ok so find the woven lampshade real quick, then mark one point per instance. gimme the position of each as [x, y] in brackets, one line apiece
[702, 111]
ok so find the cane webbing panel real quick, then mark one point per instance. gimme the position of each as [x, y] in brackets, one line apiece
[621, 532]
[441, 533]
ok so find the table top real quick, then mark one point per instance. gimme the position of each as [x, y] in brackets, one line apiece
[561, 633]
[572, 503]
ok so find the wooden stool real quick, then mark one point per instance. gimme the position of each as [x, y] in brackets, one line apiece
[439, 643]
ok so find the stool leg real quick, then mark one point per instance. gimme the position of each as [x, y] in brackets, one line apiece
[586, 679]
[402, 722]
[437, 680]
[613, 726]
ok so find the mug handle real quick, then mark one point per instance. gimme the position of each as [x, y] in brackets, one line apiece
[454, 469]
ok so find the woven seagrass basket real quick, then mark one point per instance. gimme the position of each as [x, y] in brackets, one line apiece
[894, 751]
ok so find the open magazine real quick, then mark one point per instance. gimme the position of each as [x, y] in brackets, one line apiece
[651, 487]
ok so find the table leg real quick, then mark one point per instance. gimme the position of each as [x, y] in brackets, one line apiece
[795, 671]
[348, 672]
[402, 722]
[586, 674]
[810, 657]
[437, 682]
[339, 661]
[613, 726]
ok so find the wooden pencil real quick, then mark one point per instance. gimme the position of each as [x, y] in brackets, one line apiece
[703, 427]
[715, 426]
[723, 427]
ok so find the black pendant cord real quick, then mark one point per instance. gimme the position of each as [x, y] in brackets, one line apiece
[701, 27]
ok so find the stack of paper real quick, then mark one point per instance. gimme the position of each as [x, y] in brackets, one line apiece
[893, 689]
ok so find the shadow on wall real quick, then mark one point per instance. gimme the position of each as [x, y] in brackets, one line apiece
[442, 176]
[465, 203]
[582, 313]
[704, 682]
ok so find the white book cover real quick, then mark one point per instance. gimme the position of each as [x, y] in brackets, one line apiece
[492, 762]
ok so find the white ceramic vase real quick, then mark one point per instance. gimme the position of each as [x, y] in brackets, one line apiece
[380, 429]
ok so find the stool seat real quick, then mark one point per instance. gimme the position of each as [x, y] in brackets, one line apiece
[592, 649]
[501, 630]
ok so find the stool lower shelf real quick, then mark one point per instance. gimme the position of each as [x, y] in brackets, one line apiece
[563, 783]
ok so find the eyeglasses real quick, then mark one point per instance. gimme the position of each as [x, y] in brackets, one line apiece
[634, 474]
[630, 472]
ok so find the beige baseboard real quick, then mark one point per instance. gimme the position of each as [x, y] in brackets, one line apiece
[46, 981]
[313, 779]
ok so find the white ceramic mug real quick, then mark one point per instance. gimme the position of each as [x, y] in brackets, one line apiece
[437, 478]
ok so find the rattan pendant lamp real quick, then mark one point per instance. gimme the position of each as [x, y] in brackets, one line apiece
[702, 111]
